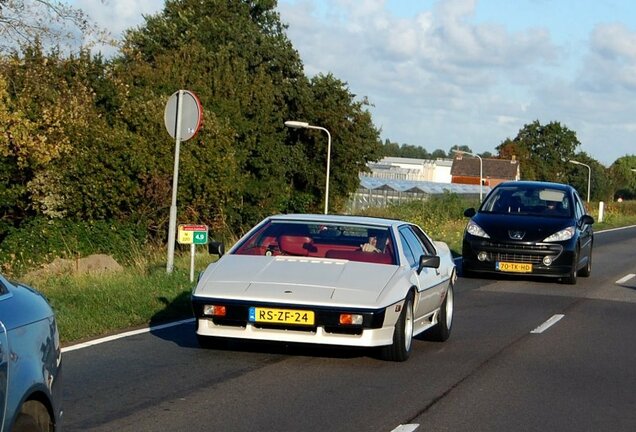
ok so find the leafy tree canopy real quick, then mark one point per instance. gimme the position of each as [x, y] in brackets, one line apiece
[623, 172]
[543, 150]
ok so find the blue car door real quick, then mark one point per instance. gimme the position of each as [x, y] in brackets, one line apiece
[4, 351]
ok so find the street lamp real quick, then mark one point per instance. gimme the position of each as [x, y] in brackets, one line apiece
[589, 176]
[305, 125]
[481, 170]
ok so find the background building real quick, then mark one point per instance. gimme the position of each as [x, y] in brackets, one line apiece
[465, 170]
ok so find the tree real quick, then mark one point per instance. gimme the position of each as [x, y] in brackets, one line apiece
[463, 148]
[438, 154]
[601, 186]
[52, 23]
[355, 141]
[236, 57]
[624, 179]
[37, 105]
[543, 150]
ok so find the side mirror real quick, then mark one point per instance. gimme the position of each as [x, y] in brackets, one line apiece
[586, 220]
[216, 248]
[428, 261]
[470, 212]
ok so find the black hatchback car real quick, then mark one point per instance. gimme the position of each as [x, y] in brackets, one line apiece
[531, 228]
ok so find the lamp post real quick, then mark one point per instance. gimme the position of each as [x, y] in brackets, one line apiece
[589, 176]
[305, 125]
[481, 171]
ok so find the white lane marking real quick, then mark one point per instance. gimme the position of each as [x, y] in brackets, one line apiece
[549, 323]
[614, 229]
[124, 335]
[625, 279]
[406, 428]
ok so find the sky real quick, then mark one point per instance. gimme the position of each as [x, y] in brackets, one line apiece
[440, 73]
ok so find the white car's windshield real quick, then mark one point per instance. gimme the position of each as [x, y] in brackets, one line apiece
[322, 240]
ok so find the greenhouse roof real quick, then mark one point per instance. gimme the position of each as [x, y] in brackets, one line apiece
[427, 187]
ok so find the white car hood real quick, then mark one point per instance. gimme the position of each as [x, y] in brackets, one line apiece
[296, 280]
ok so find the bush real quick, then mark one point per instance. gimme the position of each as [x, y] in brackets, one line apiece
[41, 240]
[429, 213]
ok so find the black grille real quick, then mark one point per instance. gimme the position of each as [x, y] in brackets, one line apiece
[521, 252]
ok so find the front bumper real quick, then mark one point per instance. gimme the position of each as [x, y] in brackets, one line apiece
[376, 330]
[561, 254]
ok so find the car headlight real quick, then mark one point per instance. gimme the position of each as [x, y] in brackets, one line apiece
[473, 229]
[563, 235]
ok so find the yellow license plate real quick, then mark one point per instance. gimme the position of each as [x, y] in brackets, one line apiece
[281, 316]
[514, 267]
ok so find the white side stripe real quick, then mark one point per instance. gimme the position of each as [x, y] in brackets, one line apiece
[124, 335]
[549, 323]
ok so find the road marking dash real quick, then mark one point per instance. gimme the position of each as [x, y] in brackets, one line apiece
[625, 279]
[406, 428]
[549, 323]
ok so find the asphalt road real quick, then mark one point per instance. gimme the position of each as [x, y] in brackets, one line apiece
[493, 374]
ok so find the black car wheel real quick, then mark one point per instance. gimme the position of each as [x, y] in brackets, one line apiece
[402, 345]
[570, 279]
[33, 417]
[587, 270]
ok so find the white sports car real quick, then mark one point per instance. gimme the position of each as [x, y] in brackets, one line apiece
[324, 279]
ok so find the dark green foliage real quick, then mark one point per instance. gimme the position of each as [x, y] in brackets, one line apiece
[102, 151]
[544, 151]
[624, 178]
[40, 240]
[411, 151]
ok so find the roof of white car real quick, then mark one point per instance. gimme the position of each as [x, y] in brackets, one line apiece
[318, 218]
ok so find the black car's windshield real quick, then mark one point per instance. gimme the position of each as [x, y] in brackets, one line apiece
[528, 201]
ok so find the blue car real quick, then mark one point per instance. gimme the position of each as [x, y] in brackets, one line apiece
[30, 361]
[529, 228]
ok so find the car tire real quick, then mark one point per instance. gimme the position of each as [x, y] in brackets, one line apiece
[402, 345]
[587, 270]
[442, 329]
[570, 279]
[33, 417]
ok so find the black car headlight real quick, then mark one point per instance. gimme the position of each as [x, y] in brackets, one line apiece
[473, 229]
[563, 235]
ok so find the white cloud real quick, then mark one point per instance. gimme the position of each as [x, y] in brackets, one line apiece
[442, 78]
[117, 16]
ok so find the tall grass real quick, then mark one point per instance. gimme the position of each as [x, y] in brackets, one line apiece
[144, 293]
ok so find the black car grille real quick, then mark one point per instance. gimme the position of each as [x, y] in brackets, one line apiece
[519, 252]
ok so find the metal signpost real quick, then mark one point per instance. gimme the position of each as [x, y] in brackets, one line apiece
[182, 117]
[192, 235]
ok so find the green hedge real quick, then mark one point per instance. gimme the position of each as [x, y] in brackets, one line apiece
[41, 240]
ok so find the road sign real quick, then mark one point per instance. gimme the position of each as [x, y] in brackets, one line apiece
[191, 114]
[193, 234]
[182, 117]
